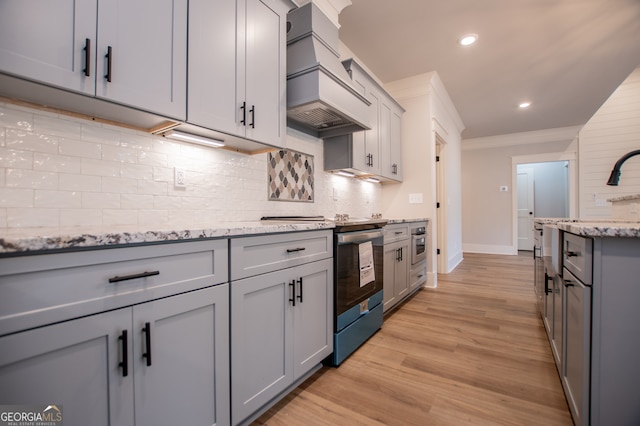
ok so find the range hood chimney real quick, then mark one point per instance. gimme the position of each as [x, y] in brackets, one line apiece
[321, 98]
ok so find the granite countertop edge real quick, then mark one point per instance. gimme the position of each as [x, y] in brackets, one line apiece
[397, 221]
[57, 240]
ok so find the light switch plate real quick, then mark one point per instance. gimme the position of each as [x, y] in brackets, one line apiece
[416, 198]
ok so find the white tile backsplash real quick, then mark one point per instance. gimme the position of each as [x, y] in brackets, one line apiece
[16, 159]
[21, 178]
[57, 199]
[56, 163]
[29, 141]
[77, 174]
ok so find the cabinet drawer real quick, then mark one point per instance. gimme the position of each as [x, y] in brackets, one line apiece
[577, 256]
[42, 289]
[396, 232]
[266, 253]
[418, 274]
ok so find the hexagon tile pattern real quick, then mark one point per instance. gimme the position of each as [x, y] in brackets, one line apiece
[290, 176]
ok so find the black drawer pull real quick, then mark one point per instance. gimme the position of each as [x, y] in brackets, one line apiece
[569, 283]
[147, 338]
[125, 354]
[109, 57]
[133, 276]
[292, 285]
[300, 295]
[295, 250]
[570, 253]
[87, 57]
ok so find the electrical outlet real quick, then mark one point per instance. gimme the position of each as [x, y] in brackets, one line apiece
[179, 178]
[335, 194]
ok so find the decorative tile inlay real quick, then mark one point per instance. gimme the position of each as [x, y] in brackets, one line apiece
[290, 176]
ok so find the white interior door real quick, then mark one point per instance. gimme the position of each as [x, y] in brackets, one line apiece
[525, 208]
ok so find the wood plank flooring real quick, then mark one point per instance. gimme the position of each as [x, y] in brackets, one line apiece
[471, 352]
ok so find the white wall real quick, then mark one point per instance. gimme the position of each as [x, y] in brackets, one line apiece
[428, 109]
[60, 174]
[613, 131]
[488, 225]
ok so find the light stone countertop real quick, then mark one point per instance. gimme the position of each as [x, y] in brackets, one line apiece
[57, 239]
[616, 229]
[594, 227]
[396, 221]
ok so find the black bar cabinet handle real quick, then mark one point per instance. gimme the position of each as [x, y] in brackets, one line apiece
[243, 107]
[295, 250]
[253, 116]
[534, 251]
[109, 57]
[87, 57]
[546, 283]
[570, 253]
[147, 338]
[300, 295]
[117, 279]
[569, 283]
[292, 285]
[125, 354]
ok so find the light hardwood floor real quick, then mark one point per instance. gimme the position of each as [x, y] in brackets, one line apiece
[471, 352]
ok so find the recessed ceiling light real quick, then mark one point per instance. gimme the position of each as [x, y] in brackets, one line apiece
[468, 39]
[524, 105]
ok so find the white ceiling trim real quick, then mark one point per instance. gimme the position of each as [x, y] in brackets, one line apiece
[562, 134]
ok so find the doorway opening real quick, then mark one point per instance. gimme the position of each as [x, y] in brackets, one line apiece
[545, 187]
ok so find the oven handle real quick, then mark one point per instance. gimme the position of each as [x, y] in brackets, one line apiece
[359, 237]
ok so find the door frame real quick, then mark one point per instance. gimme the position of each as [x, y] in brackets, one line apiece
[569, 157]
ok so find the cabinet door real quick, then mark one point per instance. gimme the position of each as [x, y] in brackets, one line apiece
[395, 145]
[261, 344]
[264, 85]
[402, 270]
[372, 137]
[313, 315]
[74, 364]
[390, 259]
[148, 59]
[213, 69]
[185, 380]
[44, 40]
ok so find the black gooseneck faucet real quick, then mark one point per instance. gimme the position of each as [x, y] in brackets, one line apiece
[615, 173]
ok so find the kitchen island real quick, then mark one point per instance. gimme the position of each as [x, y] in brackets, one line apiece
[598, 265]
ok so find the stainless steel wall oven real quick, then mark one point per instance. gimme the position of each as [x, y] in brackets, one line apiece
[418, 244]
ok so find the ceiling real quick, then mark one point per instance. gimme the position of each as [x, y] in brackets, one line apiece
[564, 56]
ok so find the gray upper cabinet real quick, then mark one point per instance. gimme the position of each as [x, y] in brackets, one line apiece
[237, 67]
[148, 57]
[131, 52]
[376, 152]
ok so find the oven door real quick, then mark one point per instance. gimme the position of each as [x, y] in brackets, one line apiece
[418, 248]
[349, 288]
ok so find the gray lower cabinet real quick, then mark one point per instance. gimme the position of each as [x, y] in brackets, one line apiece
[397, 258]
[281, 321]
[599, 368]
[120, 336]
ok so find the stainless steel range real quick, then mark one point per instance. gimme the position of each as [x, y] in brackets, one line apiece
[358, 262]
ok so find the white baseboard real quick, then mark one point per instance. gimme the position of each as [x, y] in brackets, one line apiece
[489, 249]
